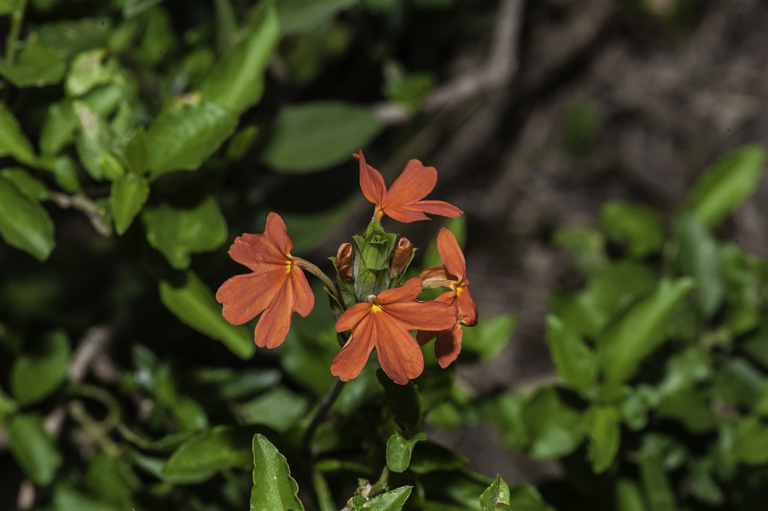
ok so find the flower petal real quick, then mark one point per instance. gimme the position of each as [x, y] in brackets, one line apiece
[304, 298]
[432, 315]
[451, 254]
[241, 301]
[399, 353]
[466, 306]
[371, 181]
[277, 233]
[352, 316]
[257, 253]
[435, 273]
[413, 184]
[438, 207]
[405, 293]
[424, 336]
[353, 356]
[405, 214]
[448, 345]
[275, 322]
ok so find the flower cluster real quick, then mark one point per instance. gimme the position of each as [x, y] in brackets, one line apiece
[370, 299]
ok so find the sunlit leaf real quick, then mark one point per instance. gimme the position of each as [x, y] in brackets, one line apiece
[393, 500]
[636, 227]
[273, 487]
[127, 197]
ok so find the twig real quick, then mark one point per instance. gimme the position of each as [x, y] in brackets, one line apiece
[497, 72]
[87, 206]
[17, 17]
[320, 414]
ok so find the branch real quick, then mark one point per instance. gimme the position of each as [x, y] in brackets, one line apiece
[86, 205]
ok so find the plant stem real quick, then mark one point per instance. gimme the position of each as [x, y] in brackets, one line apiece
[320, 414]
[380, 485]
[17, 16]
[317, 272]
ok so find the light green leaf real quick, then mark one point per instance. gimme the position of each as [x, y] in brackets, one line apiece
[486, 340]
[628, 496]
[13, 142]
[555, 429]
[66, 497]
[37, 65]
[184, 137]
[279, 409]
[298, 15]
[603, 428]
[26, 183]
[633, 337]
[393, 500]
[89, 70]
[273, 487]
[33, 448]
[496, 493]
[400, 449]
[38, 373]
[194, 304]
[727, 183]
[576, 363]
[658, 492]
[636, 227]
[178, 233]
[221, 448]
[314, 136]
[94, 138]
[699, 256]
[24, 223]
[236, 82]
[524, 497]
[128, 195]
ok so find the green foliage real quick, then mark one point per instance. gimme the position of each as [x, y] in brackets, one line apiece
[33, 448]
[36, 374]
[273, 486]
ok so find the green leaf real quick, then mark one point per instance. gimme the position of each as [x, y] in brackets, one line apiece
[65, 497]
[24, 182]
[58, 128]
[89, 70]
[7, 407]
[555, 429]
[373, 252]
[430, 457]
[404, 403]
[400, 449]
[184, 137]
[576, 363]
[111, 479]
[486, 340]
[628, 496]
[586, 246]
[603, 428]
[221, 448]
[273, 487]
[496, 493]
[94, 138]
[178, 233]
[698, 256]
[279, 409]
[38, 373]
[393, 500]
[33, 448]
[37, 65]
[658, 492]
[524, 497]
[71, 37]
[236, 82]
[751, 441]
[194, 304]
[298, 15]
[633, 337]
[636, 227]
[13, 142]
[24, 223]
[128, 195]
[314, 136]
[727, 183]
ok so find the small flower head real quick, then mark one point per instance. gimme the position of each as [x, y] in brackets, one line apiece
[345, 261]
[452, 274]
[403, 201]
[276, 287]
[383, 322]
[401, 257]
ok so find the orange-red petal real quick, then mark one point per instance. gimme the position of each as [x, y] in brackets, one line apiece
[371, 182]
[277, 233]
[303, 297]
[435, 273]
[399, 353]
[353, 356]
[423, 315]
[466, 306]
[241, 303]
[257, 253]
[448, 345]
[451, 254]
[352, 316]
[413, 184]
[405, 293]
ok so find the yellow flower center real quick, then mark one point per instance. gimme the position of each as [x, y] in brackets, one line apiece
[288, 266]
[458, 289]
[375, 307]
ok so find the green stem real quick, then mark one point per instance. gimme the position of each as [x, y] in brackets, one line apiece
[17, 16]
[380, 485]
[320, 414]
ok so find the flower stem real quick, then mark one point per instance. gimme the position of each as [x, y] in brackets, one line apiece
[320, 414]
[13, 36]
[317, 272]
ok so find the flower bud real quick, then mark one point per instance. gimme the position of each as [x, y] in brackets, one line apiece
[345, 260]
[401, 257]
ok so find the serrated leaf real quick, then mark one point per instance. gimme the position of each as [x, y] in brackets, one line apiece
[33, 448]
[184, 137]
[576, 363]
[194, 304]
[179, 232]
[314, 136]
[37, 65]
[727, 183]
[221, 448]
[393, 500]
[603, 428]
[36, 374]
[128, 195]
[496, 493]
[236, 81]
[273, 487]
[24, 223]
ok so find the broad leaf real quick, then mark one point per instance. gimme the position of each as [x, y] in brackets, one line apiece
[400, 449]
[273, 487]
[221, 448]
[24, 223]
[129, 193]
[38, 373]
[555, 429]
[26, 183]
[636, 227]
[497, 493]
[699, 256]
[13, 142]
[298, 15]
[603, 428]
[37, 65]
[575, 361]
[404, 403]
[393, 500]
[33, 448]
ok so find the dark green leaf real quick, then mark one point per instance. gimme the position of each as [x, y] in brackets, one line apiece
[314, 136]
[154, 466]
[221, 448]
[33, 448]
[65, 497]
[38, 373]
[24, 223]
[603, 428]
[699, 256]
[73, 36]
[496, 493]
[524, 497]
[727, 183]
[128, 195]
[400, 449]
[280, 409]
[404, 403]
[178, 233]
[488, 338]
[273, 487]
[27, 184]
[37, 65]
[111, 479]
[298, 15]
[751, 441]
[393, 500]
[627, 342]
[658, 492]
[628, 496]
[575, 361]
[13, 142]
[636, 227]
[236, 82]
[429, 457]
[194, 304]
[184, 137]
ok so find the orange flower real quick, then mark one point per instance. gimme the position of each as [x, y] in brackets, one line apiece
[453, 275]
[383, 323]
[277, 287]
[402, 202]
